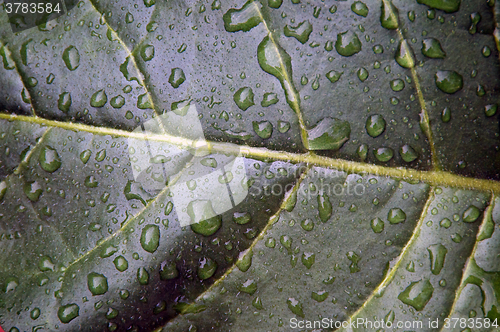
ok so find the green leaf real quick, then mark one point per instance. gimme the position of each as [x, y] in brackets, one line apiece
[192, 165]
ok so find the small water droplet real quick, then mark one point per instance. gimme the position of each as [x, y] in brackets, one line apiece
[360, 8]
[97, 283]
[328, 134]
[64, 102]
[177, 77]
[404, 55]
[264, 129]
[375, 125]
[377, 225]
[244, 98]
[295, 306]
[449, 81]
[49, 159]
[142, 276]
[471, 214]
[417, 294]
[150, 238]
[437, 254]
[431, 48]
[99, 99]
[301, 32]
[67, 313]
[204, 220]
[396, 216]
[121, 263]
[408, 153]
[206, 268]
[71, 57]
[348, 43]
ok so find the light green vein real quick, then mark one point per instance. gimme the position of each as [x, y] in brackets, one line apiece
[434, 178]
[424, 116]
[468, 266]
[392, 273]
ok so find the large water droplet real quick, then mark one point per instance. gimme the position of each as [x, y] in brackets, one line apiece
[328, 134]
[177, 77]
[99, 99]
[363, 74]
[244, 98]
[449, 6]
[249, 287]
[295, 306]
[471, 214]
[408, 153]
[206, 268]
[68, 312]
[404, 55]
[490, 110]
[245, 260]
[168, 271]
[437, 254]
[417, 294]
[264, 129]
[269, 99]
[375, 125]
[121, 263]
[449, 81]
[150, 238]
[71, 57]
[244, 19]
[431, 48]
[64, 102]
[377, 225]
[389, 15]
[142, 276]
[334, 75]
[275, 61]
[396, 216]
[97, 283]
[347, 43]
[301, 32]
[359, 8]
[397, 85]
[49, 159]
[33, 190]
[324, 207]
[147, 52]
[204, 220]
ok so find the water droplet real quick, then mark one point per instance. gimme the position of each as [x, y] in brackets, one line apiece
[362, 151]
[147, 52]
[35, 313]
[275, 61]
[249, 287]
[404, 55]
[3, 189]
[64, 102]
[142, 276]
[449, 6]
[150, 238]
[437, 254]
[108, 250]
[269, 99]
[308, 259]
[121, 263]
[49, 159]
[263, 129]
[362, 74]
[177, 77]
[431, 48]
[471, 214]
[111, 313]
[243, 19]
[244, 98]
[490, 110]
[245, 260]
[408, 153]
[99, 99]
[168, 271]
[295, 306]
[301, 32]
[206, 268]
[307, 224]
[417, 294]
[378, 49]
[449, 81]
[144, 102]
[68, 312]
[97, 283]
[377, 225]
[91, 182]
[375, 125]
[397, 85]
[71, 57]
[475, 18]
[354, 258]
[359, 8]
[275, 3]
[324, 207]
[396, 216]
[315, 83]
[204, 220]
[329, 46]
[389, 15]
[328, 134]
[446, 115]
[334, 75]
[33, 190]
[347, 43]
[480, 91]
[486, 51]
[242, 218]
[117, 102]
[319, 296]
